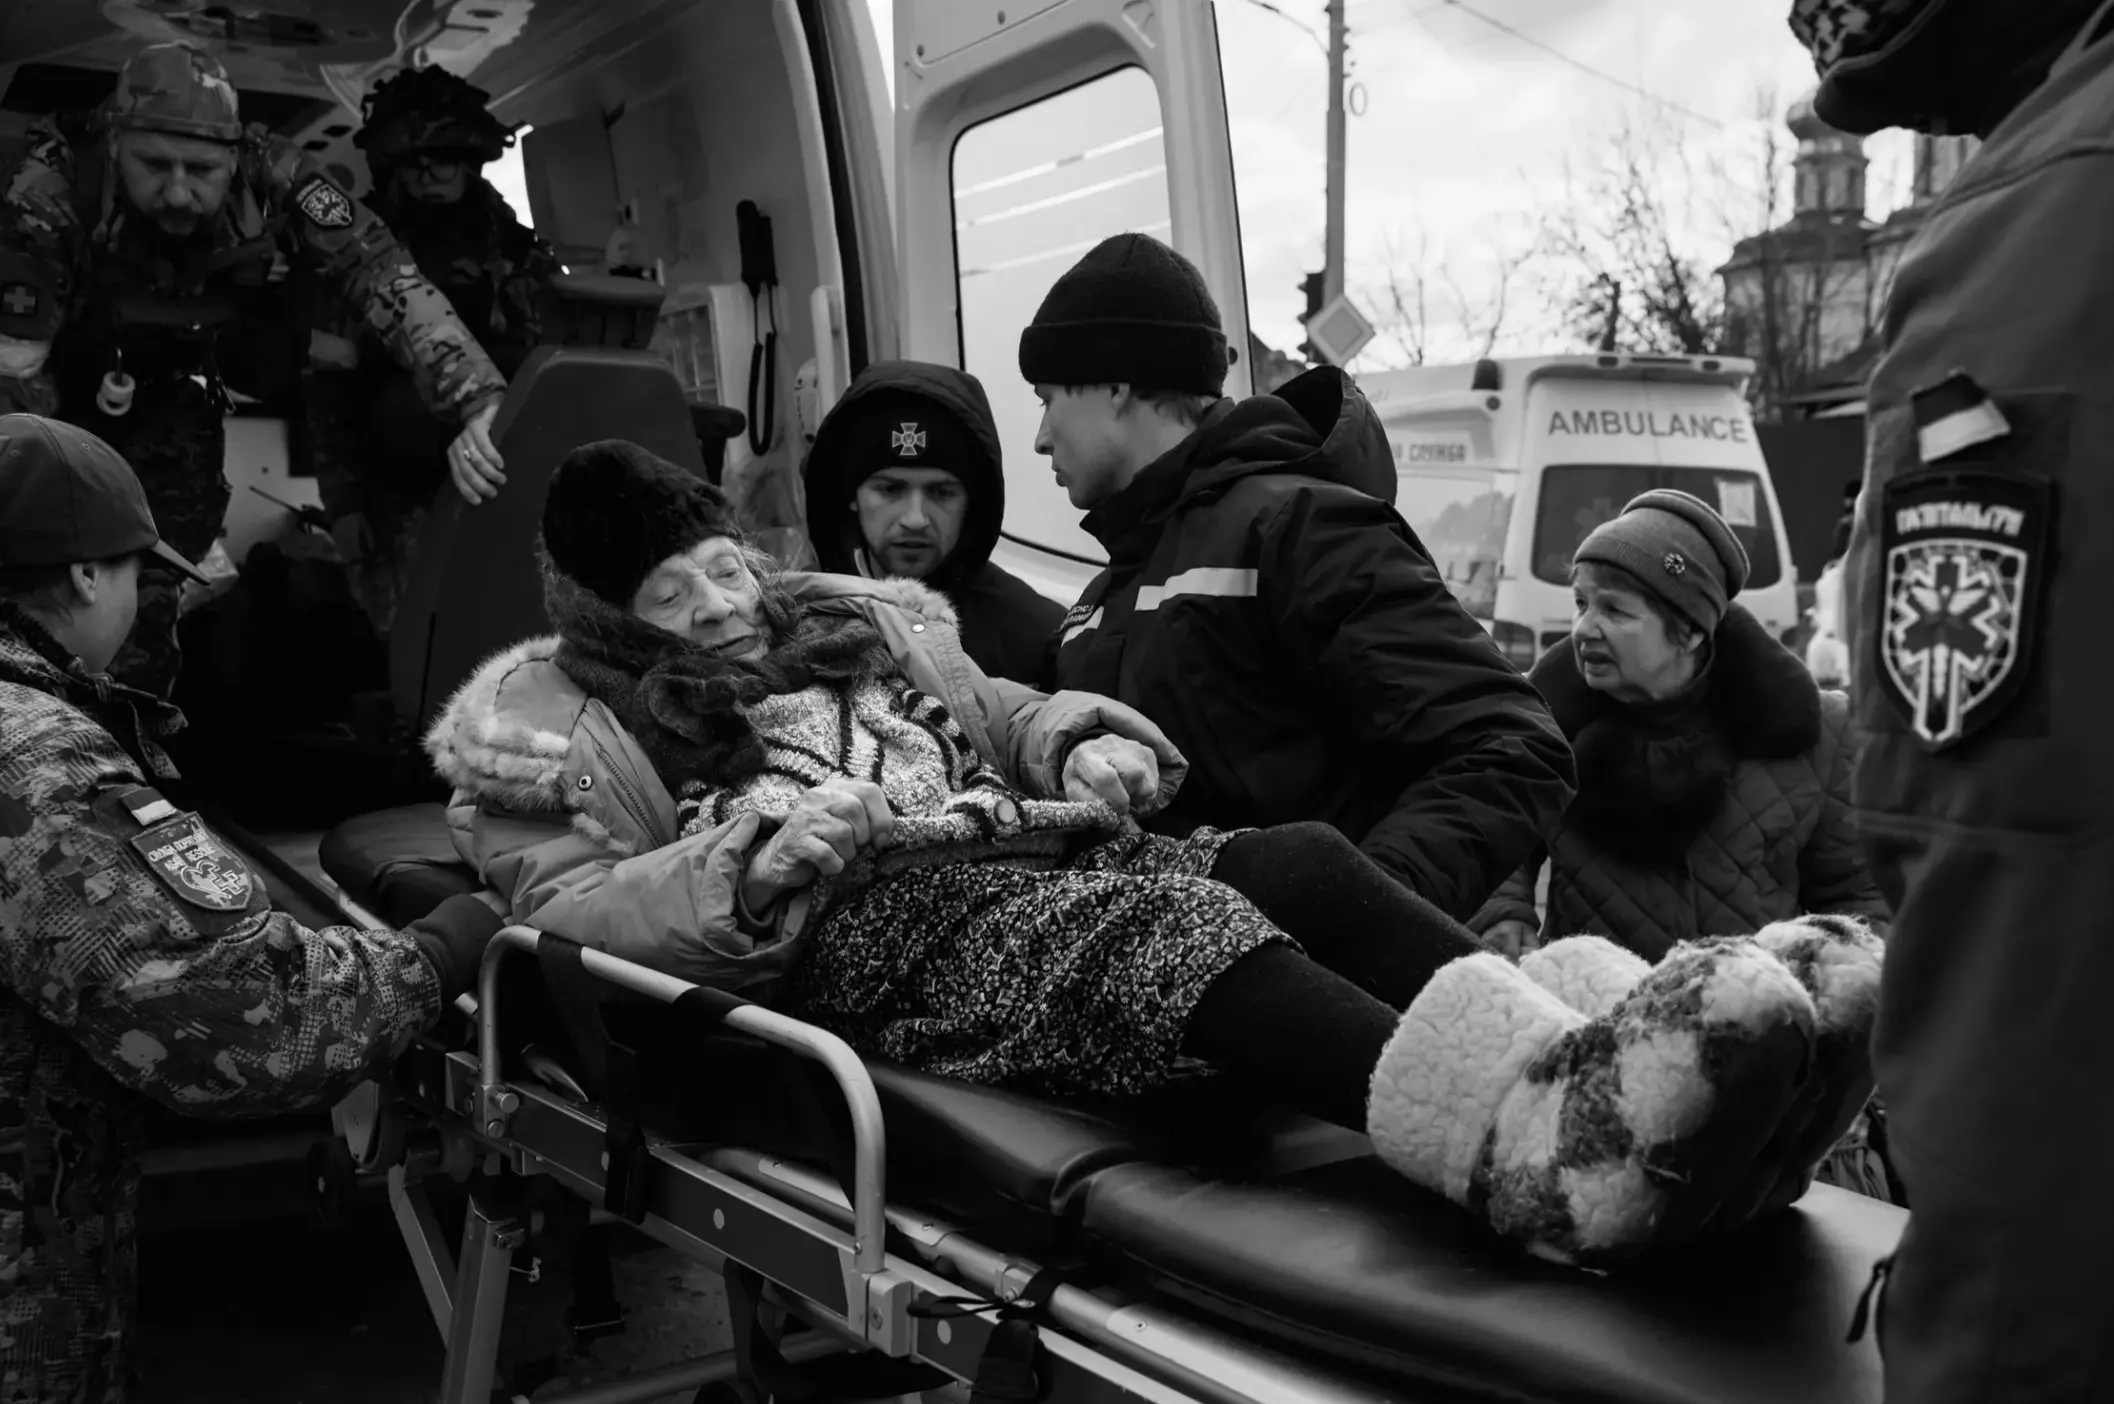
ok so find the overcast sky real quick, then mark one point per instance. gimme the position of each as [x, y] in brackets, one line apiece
[1466, 129]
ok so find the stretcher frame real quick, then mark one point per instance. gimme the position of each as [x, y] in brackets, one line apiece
[824, 1255]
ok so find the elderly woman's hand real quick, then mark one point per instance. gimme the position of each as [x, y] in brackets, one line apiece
[824, 832]
[1125, 773]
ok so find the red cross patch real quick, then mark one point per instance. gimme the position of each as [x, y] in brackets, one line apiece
[326, 206]
[194, 865]
[18, 299]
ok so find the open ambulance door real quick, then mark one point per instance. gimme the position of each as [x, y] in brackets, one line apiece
[1027, 131]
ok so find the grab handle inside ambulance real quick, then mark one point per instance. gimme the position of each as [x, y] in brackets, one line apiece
[759, 274]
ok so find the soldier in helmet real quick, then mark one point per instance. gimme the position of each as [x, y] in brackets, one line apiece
[379, 453]
[139, 243]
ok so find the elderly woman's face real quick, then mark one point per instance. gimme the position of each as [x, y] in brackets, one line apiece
[1625, 647]
[708, 595]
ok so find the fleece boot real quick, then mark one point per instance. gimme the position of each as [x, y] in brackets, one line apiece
[1592, 1140]
[1590, 973]
[1838, 960]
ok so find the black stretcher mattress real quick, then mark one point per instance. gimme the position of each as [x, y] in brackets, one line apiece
[1292, 1229]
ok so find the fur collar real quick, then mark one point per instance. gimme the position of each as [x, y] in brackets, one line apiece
[508, 744]
[505, 738]
[1650, 779]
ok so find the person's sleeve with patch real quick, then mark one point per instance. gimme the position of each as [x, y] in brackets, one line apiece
[40, 237]
[367, 267]
[130, 926]
[1397, 664]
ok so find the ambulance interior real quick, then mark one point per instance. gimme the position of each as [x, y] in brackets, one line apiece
[1194, 1249]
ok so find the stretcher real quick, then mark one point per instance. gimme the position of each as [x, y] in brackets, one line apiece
[886, 1233]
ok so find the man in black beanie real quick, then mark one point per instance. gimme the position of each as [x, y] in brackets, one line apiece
[1976, 591]
[1263, 602]
[906, 478]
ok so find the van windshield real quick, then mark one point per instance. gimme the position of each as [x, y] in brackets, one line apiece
[1460, 514]
[1575, 498]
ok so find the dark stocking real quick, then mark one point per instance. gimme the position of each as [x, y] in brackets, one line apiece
[1315, 886]
[1295, 1031]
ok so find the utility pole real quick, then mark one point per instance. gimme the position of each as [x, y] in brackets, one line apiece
[1332, 268]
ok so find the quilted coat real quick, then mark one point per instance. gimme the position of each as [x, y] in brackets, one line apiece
[1711, 815]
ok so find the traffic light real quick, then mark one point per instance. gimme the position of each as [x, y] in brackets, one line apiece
[1311, 287]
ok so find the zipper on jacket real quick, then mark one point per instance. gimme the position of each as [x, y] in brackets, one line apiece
[630, 797]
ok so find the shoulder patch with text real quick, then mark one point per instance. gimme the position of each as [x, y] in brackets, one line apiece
[326, 206]
[1965, 564]
[196, 867]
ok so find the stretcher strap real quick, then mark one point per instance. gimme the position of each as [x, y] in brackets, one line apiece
[1010, 1371]
[863, 1375]
[611, 1076]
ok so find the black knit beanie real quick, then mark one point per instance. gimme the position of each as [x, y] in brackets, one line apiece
[1132, 312]
[615, 511]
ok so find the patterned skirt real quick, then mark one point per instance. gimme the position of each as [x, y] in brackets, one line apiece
[1074, 981]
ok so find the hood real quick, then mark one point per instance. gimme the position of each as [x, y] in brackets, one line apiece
[830, 476]
[31, 658]
[1319, 425]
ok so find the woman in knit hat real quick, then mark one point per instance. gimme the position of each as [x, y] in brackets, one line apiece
[1713, 774]
[800, 787]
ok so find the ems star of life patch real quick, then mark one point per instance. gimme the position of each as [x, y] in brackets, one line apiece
[326, 206]
[1965, 558]
[186, 858]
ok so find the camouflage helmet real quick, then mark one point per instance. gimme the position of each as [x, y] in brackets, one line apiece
[179, 89]
[429, 110]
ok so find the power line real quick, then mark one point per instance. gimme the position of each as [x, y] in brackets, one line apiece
[1296, 24]
[1579, 64]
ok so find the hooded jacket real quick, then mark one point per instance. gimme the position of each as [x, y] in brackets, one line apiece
[1267, 607]
[559, 809]
[1006, 626]
[1711, 816]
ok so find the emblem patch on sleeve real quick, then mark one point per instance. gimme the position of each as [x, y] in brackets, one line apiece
[1966, 564]
[326, 206]
[194, 865]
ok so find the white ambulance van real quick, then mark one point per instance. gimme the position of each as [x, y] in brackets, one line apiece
[1505, 465]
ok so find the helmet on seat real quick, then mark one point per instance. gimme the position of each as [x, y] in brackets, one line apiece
[429, 111]
[179, 89]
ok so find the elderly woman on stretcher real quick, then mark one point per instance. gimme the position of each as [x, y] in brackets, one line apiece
[799, 787]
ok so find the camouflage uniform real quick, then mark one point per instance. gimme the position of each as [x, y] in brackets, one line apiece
[220, 303]
[375, 448]
[137, 953]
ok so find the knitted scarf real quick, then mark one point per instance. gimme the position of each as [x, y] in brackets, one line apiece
[681, 703]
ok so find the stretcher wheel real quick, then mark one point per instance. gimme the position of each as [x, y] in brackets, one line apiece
[729, 1392]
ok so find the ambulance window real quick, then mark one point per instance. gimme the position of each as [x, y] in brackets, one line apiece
[509, 176]
[1577, 498]
[1461, 516]
[1033, 190]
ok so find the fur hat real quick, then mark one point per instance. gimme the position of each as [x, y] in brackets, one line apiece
[1132, 312]
[614, 511]
[1678, 548]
